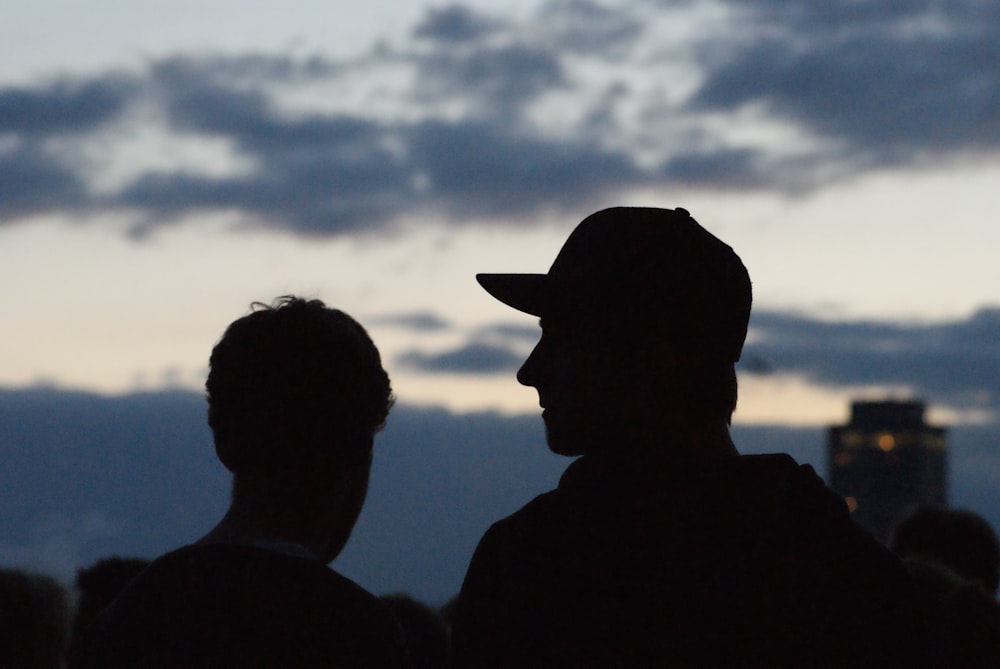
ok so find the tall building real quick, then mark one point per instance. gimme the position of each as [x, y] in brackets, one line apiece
[887, 460]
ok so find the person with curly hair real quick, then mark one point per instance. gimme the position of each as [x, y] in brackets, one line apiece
[296, 394]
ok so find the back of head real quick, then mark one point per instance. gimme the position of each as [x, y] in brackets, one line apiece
[34, 620]
[958, 539]
[293, 387]
[97, 586]
[101, 582]
[425, 630]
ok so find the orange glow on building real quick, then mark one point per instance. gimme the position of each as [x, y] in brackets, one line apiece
[886, 442]
[885, 461]
[843, 459]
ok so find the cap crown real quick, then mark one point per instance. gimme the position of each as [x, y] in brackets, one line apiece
[645, 271]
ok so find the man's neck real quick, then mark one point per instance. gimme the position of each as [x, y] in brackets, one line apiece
[702, 440]
[711, 440]
[251, 523]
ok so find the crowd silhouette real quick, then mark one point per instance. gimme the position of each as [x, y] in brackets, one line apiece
[953, 556]
[662, 545]
[35, 619]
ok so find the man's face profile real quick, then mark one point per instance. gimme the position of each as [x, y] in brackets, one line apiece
[574, 376]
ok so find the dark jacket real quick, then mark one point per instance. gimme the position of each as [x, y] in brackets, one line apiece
[653, 561]
[243, 606]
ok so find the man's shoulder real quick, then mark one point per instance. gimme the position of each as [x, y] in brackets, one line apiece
[222, 567]
[204, 573]
[591, 488]
[780, 480]
[231, 602]
[524, 525]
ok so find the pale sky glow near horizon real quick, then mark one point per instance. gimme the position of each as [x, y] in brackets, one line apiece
[142, 314]
[151, 218]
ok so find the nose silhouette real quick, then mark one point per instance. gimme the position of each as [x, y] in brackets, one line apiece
[527, 375]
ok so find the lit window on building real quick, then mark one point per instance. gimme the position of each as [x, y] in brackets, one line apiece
[852, 439]
[901, 461]
[934, 441]
[886, 442]
[843, 459]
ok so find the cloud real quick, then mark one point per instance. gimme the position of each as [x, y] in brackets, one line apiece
[33, 180]
[499, 348]
[479, 117]
[335, 173]
[475, 169]
[455, 24]
[842, 15]
[474, 358]
[585, 27]
[955, 364]
[419, 321]
[589, 24]
[64, 107]
[497, 78]
[891, 81]
[722, 167]
[511, 332]
[320, 174]
[333, 176]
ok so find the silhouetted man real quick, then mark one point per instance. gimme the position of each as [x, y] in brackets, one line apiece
[34, 620]
[296, 393]
[954, 557]
[662, 546]
[97, 586]
[958, 539]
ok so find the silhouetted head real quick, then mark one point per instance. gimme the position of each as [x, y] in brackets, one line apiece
[296, 393]
[428, 638]
[643, 314]
[34, 620]
[101, 582]
[97, 586]
[958, 539]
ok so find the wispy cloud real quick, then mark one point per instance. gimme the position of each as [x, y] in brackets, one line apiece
[498, 348]
[510, 332]
[456, 24]
[35, 180]
[422, 321]
[478, 116]
[474, 358]
[63, 107]
[955, 364]
[889, 80]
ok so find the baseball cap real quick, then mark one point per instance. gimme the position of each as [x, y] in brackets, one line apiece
[641, 270]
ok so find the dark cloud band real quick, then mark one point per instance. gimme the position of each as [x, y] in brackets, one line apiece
[955, 363]
[472, 136]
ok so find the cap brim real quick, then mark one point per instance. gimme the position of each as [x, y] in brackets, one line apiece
[524, 292]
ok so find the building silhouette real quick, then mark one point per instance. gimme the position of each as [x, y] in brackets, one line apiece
[887, 460]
